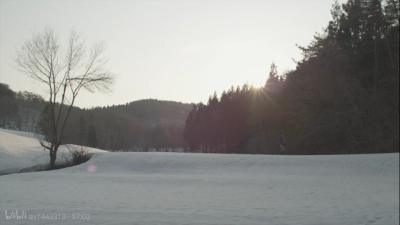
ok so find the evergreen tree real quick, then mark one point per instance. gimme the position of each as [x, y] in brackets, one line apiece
[5, 91]
[91, 137]
[273, 74]
[45, 125]
[82, 131]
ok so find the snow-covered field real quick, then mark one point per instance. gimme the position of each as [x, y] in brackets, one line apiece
[183, 188]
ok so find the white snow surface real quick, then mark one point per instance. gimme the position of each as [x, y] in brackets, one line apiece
[185, 188]
[21, 150]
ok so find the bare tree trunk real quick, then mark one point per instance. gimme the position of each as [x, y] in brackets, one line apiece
[53, 157]
[376, 67]
[390, 57]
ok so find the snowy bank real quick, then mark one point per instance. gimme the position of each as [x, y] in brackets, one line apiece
[21, 150]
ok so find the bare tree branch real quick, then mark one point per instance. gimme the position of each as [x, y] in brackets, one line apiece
[65, 73]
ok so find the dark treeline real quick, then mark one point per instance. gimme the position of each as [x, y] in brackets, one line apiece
[243, 120]
[19, 111]
[343, 96]
[135, 126]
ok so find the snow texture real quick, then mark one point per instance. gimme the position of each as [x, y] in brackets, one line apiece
[187, 188]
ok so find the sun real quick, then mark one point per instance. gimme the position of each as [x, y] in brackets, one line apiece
[258, 80]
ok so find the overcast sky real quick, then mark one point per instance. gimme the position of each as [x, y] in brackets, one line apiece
[169, 50]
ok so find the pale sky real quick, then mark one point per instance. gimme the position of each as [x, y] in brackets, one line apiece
[168, 50]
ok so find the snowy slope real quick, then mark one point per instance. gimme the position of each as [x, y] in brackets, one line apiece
[182, 188]
[20, 150]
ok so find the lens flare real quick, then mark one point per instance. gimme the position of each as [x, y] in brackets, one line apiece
[91, 168]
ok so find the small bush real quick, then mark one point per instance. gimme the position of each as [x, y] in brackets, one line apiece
[77, 155]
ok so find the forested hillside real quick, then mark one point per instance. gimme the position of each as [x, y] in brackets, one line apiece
[19, 111]
[343, 96]
[138, 125]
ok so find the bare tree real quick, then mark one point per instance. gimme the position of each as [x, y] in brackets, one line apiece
[64, 72]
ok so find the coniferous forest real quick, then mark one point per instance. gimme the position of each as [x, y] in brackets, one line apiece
[342, 98]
